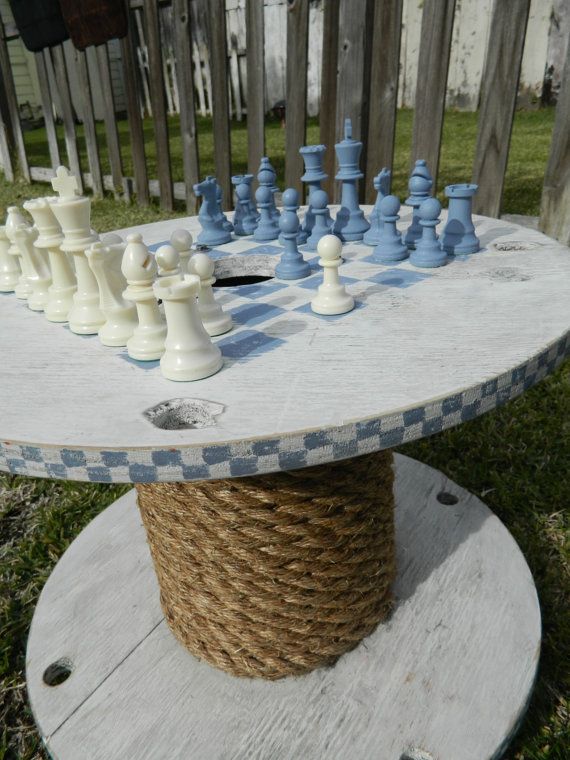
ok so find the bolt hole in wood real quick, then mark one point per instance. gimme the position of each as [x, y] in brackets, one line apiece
[58, 672]
[448, 499]
[232, 282]
[416, 754]
[184, 414]
[511, 245]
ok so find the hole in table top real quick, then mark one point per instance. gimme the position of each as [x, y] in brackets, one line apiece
[446, 498]
[58, 672]
[184, 414]
[247, 279]
[416, 754]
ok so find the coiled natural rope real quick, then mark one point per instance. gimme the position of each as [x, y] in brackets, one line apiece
[275, 575]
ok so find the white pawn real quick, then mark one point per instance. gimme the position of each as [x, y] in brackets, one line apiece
[14, 219]
[120, 316]
[9, 266]
[215, 320]
[139, 269]
[39, 275]
[168, 260]
[331, 297]
[50, 238]
[182, 241]
[189, 352]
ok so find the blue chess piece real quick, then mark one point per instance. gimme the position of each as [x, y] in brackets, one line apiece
[313, 160]
[266, 177]
[226, 224]
[213, 232]
[267, 228]
[350, 223]
[292, 265]
[321, 226]
[239, 211]
[459, 233]
[428, 251]
[290, 200]
[245, 221]
[390, 247]
[381, 182]
[420, 186]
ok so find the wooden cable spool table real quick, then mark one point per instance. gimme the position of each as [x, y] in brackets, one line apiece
[274, 542]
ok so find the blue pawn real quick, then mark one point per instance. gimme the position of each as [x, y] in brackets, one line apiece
[382, 182]
[420, 185]
[319, 203]
[428, 251]
[290, 200]
[267, 228]
[390, 247]
[292, 265]
[459, 233]
[350, 223]
[239, 211]
[249, 218]
[212, 233]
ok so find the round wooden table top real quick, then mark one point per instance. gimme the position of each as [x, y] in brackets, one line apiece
[423, 350]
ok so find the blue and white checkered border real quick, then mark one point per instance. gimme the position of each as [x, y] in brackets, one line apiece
[253, 457]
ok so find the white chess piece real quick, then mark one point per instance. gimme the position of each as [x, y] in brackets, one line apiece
[39, 275]
[65, 183]
[182, 241]
[73, 213]
[9, 266]
[189, 352]
[215, 320]
[112, 238]
[14, 219]
[121, 317]
[140, 270]
[331, 297]
[168, 261]
[50, 238]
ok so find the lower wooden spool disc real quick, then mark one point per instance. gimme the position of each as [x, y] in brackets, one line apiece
[448, 677]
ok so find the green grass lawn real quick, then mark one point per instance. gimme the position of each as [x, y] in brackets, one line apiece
[517, 458]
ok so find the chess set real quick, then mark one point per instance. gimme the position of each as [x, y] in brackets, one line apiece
[161, 303]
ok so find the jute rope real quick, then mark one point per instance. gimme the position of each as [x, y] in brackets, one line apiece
[275, 575]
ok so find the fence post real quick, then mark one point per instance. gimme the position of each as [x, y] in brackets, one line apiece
[433, 68]
[296, 88]
[498, 101]
[12, 128]
[327, 101]
[183, 50]
[555, 205]
[157, 97]
[89, 123]
[60, 70]
[385, 67]
[255, 44]
[47, 108]
[220, 105]
[111, 132]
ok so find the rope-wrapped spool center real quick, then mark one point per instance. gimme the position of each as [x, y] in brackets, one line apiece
[279, 574]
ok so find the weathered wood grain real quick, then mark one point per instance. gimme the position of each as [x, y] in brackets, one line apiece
[327, 103]
[385, 59]
[47, 108]
[220, 98]
[255, 43]
[60, 70]
[5, 157]
[110, 119]
[498, 99]
[353, 83]
[296, 97]
[136, 132]
[433, 67]
[510, 312]
[555, 206]
[89, 123]
[450, 673]
[157, 96]
[183, 51]
[13, 129]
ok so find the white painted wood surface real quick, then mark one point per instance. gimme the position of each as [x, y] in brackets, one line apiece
[450, 673]
[422, 339]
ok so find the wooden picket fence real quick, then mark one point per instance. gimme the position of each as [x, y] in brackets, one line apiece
[359, 79]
